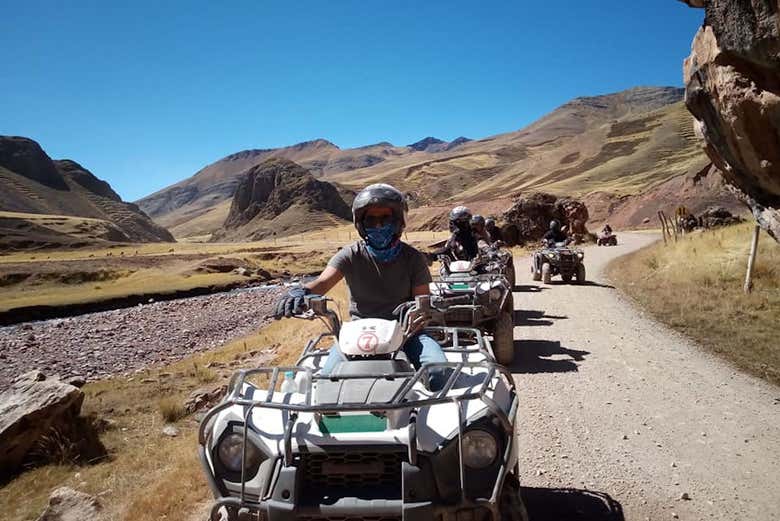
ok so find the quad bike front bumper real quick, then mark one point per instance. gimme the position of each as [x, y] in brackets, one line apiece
[403, 485]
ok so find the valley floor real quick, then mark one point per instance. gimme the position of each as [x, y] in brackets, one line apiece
[624, 418]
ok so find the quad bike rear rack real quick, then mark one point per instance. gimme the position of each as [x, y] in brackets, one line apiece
[400, 401]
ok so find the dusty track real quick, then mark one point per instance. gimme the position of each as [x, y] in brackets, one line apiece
[616, 406]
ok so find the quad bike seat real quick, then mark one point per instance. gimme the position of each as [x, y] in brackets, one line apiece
[375, 367]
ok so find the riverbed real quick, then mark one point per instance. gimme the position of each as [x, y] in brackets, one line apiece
[121, 341]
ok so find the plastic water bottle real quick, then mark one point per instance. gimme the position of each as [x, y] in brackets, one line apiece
[303, 379]
[288, 384]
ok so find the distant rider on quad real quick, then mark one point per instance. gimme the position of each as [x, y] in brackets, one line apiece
[462, 245]
[479, 232]
[607, 230]
[493, 231]
[381, 271]
[554, 235]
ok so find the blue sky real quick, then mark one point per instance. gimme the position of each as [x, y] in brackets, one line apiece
[144, 94]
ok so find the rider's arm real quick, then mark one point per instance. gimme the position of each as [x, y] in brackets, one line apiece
[329, 277]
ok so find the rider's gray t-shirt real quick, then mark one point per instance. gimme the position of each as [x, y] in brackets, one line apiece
[377, 288]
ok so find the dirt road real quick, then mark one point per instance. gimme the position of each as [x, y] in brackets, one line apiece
[622, 418]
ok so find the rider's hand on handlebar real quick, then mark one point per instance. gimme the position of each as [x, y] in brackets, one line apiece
[294, 302]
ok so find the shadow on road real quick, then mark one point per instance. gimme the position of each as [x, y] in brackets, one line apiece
[586, 283]
[534, 317]
[527, 288]
[570, 504]
[533, 356]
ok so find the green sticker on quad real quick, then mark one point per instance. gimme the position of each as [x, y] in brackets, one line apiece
[352, 423]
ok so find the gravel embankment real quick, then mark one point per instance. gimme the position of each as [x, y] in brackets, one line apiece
[101, 344]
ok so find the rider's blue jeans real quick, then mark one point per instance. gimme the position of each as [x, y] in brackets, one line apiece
[421, 349]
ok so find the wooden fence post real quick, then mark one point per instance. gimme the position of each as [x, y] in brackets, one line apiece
[751, 260]
[663, 225]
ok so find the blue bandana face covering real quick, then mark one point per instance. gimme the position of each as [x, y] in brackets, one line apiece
[381, 243]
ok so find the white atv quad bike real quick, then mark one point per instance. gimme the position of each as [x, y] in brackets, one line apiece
[370, 440]
[558, 259]
[474, 294]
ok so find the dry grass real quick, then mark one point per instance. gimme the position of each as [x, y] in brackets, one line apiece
[695, 286]
[148, 476]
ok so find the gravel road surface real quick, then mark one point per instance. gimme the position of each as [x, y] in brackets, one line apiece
[622, 418]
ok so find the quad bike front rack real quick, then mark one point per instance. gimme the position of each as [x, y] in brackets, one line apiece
[400, 401]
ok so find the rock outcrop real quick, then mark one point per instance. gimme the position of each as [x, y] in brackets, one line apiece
[529, 217]
[66, 504]
[277, 187]
[732, 88]
[40, 421]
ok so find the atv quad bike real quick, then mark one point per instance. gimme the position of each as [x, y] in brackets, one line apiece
[477, 294]
[499, 260]
[607, 239]
[558, 259]
[370, 440]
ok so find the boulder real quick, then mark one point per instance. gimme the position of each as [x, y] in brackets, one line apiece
[40, 421]
[204, 398]
[66, 504]
[732, 88]
[714, 217]
[529, 217]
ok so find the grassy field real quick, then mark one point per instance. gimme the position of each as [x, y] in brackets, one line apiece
[148, 476]
[695, 286]
[65, 277]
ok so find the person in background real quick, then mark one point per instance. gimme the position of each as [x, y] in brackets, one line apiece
[555, 234]
[493, 231]
[462, 245]
[479, 232]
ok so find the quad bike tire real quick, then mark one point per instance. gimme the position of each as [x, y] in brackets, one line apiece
[503, 334]
[510, 276]
[512, 505]
[546, 273]
[613, 241]
[566, 277]
[579, 277]
[536, 275]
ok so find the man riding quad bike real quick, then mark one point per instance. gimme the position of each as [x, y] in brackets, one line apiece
[371, 438]
[557, 258]
[606, 237]
[381, 271]
[476, 293]
[493, 250]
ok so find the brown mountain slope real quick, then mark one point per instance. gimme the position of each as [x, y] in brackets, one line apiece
[32, 183]
[622, 144]
[195, 198]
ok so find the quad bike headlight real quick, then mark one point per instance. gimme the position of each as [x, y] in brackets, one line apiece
[479, 449]
[581, 254]
[230, 449]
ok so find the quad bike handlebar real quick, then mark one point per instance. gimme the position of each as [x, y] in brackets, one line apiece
[413, 315]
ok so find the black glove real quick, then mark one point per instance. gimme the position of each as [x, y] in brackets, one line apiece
[293, 303]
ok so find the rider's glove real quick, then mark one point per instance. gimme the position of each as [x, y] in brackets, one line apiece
[293, 303]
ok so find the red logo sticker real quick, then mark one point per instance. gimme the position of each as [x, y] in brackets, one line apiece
[367, 342]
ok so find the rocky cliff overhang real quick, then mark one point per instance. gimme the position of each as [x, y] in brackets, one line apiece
[732, 88]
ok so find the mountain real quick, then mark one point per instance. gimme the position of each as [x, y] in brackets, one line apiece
[45, 202]
[621, 143]
[281, 197]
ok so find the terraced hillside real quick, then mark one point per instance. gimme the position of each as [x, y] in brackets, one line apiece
[616, 145]
[48, 203]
